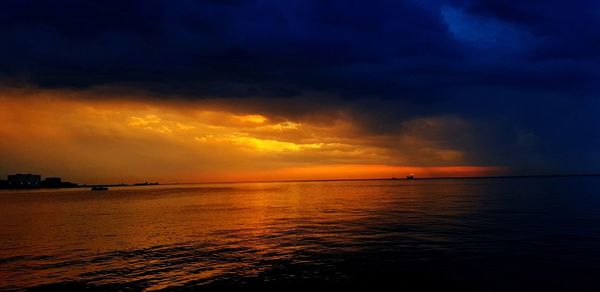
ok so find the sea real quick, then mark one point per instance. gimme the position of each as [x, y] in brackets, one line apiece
[488, 234]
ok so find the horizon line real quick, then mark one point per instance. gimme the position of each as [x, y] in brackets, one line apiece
[388, 178]
[348, 179]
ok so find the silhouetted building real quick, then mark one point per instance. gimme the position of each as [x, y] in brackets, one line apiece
[29, 180]
[24, 180]
[52, 180]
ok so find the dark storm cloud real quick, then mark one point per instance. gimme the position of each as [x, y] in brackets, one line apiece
[524, 73]
[225, 47]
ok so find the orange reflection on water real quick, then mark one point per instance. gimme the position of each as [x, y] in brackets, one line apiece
[165, 236]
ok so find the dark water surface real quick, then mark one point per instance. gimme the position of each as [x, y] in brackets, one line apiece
[479, 234]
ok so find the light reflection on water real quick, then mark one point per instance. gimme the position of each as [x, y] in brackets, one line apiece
[477, 233]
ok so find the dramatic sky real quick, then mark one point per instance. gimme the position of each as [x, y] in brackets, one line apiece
[220, 90]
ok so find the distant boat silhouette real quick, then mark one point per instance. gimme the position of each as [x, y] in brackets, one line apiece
[99, 188]
[410, 176]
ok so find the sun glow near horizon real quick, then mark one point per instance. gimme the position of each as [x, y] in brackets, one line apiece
[90, 139]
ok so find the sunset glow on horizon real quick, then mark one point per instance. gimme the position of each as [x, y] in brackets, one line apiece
[84, 138]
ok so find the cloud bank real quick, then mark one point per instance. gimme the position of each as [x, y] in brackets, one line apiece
[431, 83]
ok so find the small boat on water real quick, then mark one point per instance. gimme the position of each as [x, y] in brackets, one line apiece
[99, 188]
[410, 176]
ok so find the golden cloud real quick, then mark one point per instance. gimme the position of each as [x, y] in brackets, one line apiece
[88, 137]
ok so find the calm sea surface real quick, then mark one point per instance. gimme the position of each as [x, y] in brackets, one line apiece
[480, 234]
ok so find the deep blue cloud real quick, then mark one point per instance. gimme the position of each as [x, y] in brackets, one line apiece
[525, 70]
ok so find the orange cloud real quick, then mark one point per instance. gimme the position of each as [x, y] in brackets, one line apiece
[87, 137]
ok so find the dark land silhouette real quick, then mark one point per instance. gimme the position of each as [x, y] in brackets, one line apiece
[34, 181]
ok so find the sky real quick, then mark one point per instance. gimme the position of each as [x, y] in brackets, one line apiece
[240, 90]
